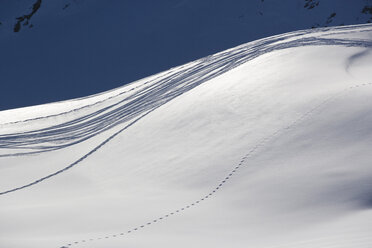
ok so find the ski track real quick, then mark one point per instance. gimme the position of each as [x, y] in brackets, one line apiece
[159, 91]
[88, 105]
[249, 154]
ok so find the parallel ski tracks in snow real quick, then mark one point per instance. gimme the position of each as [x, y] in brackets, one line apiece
[134, 107]
[155, 93]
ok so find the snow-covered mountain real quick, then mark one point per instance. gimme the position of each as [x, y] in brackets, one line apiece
[263, 145]
[65, 49]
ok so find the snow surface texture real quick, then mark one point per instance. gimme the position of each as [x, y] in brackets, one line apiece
[263, 145]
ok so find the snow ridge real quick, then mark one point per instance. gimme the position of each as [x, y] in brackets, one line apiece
[200, 109]
[155, 95]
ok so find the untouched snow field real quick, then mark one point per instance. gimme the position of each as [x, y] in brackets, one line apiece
[264, 145]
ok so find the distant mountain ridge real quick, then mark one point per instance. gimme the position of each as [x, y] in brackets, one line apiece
[25, 19]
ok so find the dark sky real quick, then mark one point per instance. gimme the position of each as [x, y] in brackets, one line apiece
[77, 48]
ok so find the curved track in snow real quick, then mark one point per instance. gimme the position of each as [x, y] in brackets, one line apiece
[124, 110]
[158, 92]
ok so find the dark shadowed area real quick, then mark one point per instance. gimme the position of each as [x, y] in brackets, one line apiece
[63, 49]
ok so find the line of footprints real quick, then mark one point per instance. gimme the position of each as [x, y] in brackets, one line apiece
[260, 144]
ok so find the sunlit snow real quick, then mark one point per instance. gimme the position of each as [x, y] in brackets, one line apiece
[264, 145]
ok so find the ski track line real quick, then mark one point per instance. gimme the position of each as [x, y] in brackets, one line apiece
[72, 110]
[77, 161]
[155, 96]
[163, 89]
[89, 105]
[249, 154]
[15, 144]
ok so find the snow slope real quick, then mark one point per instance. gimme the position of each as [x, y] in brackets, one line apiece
[263, 145]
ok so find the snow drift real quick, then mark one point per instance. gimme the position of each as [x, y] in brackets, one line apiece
[263, 145]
